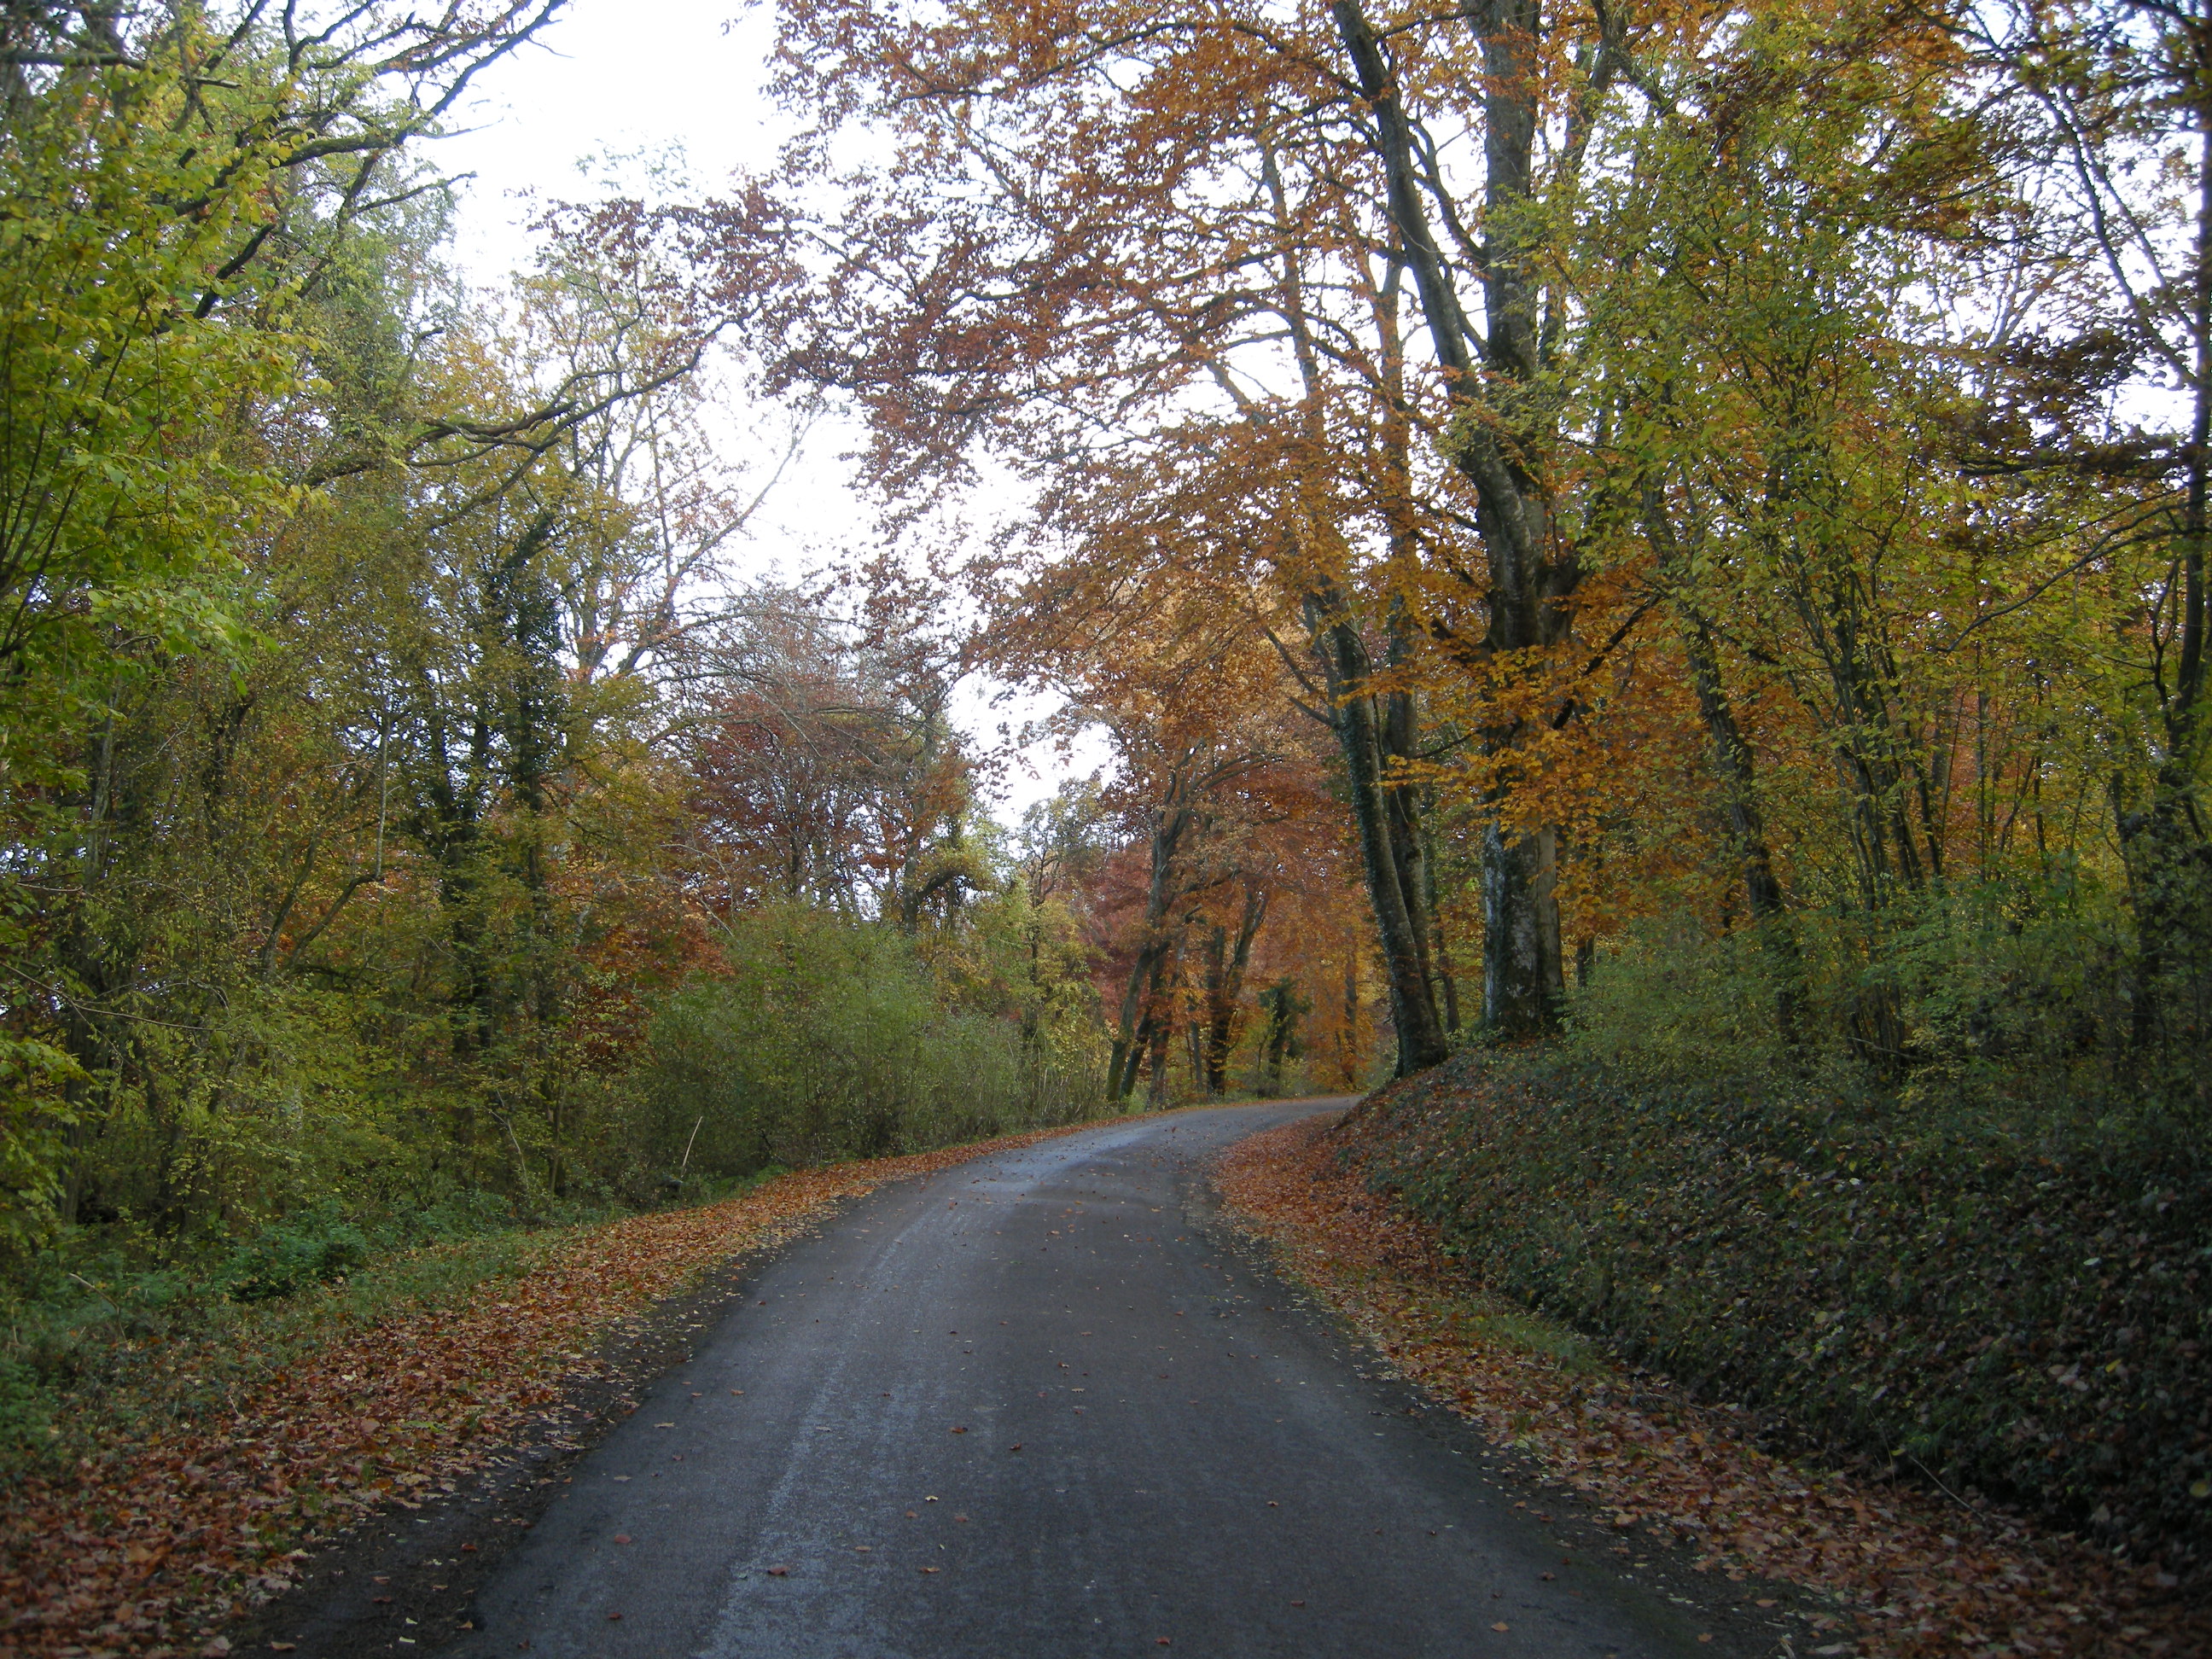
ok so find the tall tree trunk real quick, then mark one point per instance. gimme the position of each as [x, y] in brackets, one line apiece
[1522, 976]
[1225, 987]
[1373, 731]
[1140, 1001]
[1163, 1033]
[1532, 569]
[1284, 1005]
[1386, 843]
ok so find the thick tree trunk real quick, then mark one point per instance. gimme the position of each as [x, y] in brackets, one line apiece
[1522, 976]
[1140, 1011]
[1284, 1005]
[1224, 988]
[1533, 570]
[1163, 1033]
[1389, 847]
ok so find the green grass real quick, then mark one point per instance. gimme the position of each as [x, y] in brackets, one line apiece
[1519, 1330]
[97, 1349]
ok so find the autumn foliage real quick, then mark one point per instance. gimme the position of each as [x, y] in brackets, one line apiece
[1671, 534]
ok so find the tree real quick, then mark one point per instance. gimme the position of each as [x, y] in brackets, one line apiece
[2115, 102]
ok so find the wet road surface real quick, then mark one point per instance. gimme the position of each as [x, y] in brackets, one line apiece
[1033, 1407]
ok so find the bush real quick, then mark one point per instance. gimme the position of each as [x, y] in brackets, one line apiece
[1666, 1000]
[2000, 990]
[26, 1410]
[317, 1246]
[829, 1037]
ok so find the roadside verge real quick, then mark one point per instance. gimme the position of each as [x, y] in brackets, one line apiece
[153, 1547]
[1906, 1573]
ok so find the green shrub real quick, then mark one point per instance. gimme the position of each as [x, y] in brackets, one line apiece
[829, 1037]
[1997, 989]
[26, 1410]
[317, 1246]
[1666, 1000]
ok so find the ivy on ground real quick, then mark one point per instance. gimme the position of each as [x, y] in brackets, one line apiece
[1921, 1572]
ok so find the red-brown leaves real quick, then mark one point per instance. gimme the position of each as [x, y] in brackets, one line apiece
[1922, 1577]
[152, 1546]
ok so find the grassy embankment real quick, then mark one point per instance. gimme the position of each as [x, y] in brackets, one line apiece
[2008, 1302]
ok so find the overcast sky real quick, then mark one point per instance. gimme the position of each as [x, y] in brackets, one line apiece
[624, 78]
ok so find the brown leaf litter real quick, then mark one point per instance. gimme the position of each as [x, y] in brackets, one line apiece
[1911, 1573]
[147, 1549]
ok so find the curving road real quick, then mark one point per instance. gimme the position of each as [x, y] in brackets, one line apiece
[1033, 1406]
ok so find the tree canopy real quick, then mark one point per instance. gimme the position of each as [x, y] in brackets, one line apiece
[1678, 528]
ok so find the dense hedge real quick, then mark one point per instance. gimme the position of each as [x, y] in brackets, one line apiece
[2016, 1301]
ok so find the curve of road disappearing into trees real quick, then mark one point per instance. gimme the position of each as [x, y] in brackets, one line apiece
[1036, 1406]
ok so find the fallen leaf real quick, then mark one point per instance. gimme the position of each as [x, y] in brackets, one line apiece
[1924, 1581]
[212, 1504]
[778, 1572]
[1501, 1626]
[624, 1538]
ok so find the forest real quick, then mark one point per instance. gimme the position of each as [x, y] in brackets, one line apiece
[1654, 555]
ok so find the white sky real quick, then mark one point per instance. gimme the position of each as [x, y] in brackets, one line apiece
[618, 77]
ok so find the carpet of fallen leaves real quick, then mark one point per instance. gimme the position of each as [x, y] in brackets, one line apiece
[1910, 1573]
[147, 1550]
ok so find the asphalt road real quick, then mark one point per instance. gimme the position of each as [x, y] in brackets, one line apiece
[1036, 1406]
